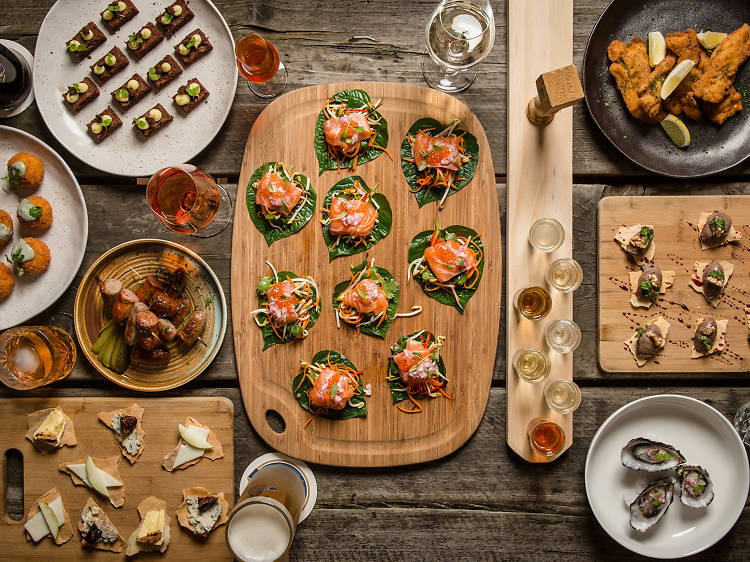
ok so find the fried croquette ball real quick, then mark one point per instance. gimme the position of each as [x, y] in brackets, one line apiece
[36, 265]
[6, 227]
[25, 170]
[6, 281]
[34, 213]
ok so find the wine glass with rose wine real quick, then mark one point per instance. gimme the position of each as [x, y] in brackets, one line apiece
[460, 34]
[187, 200]
[260, 64]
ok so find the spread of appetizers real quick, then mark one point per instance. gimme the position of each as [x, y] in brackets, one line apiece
[201, 510]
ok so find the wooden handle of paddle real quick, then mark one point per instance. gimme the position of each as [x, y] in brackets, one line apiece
[557, 90]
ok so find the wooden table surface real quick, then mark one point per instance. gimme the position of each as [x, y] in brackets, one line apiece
[482, 502]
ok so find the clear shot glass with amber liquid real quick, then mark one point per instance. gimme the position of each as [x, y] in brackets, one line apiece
[33, 356]
[533, 303]
[531, 365]
[546, 437]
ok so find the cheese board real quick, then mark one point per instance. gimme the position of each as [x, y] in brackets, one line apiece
[386, 436]
[144, 478]
[675, 221]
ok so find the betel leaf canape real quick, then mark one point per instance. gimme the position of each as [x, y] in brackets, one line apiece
[330, 386]
[416, 370]
[438, 161]
[279, 201]
[355, 218]
[289, 306]
[368, 301]
[448, 264]
[349, 131]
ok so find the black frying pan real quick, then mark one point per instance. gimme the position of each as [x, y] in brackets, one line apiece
[713, 148]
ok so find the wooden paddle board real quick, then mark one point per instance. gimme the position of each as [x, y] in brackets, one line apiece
[386, 436]
[675, 222]
[145, 478]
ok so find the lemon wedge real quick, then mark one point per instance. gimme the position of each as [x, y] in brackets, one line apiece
[657, 48]
[711, 39]
[676, 130]
[677, 75]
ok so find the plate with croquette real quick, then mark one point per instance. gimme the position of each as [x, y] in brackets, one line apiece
[43, 227]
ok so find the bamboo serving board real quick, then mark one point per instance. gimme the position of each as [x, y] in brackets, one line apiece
[386, 436]
[146, 477]
[540, 184]
[675, 221]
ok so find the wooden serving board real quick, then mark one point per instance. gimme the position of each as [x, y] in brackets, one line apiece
[386, 436]
[675, 221]
[146, 477]
[540, 184]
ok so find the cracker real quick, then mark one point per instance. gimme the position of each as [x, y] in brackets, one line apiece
[633, 340]
[108, 465]
[133, 410]
[65, 533]
[182, 511]
[67, 439]
[696, 279]
[213, 454]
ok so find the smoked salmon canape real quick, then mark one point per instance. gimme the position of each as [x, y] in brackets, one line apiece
[289, 306]
[331, 387]
[448, 264]
[368, 301]
[416, 370]
[355, 217]
[279, 201]
[438, 161]
[349, 131]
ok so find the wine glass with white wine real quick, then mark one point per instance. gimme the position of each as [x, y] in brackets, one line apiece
[460, 34]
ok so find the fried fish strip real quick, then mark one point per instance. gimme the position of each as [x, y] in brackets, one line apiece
[650, 97]
[720, 112]
[722, 67]
[631, 70]
[686, 46]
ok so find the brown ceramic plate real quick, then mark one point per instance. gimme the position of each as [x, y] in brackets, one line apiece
[130, 262]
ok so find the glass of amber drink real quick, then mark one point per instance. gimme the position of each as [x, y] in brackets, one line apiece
[33, 356]
[533, 303]
[259, 63]
[546, 437]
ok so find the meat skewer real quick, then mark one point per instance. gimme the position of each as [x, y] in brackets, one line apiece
[110, 288]
[123, 305]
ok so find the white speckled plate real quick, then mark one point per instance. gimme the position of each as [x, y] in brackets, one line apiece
[66, 237]
[126, 152]
[705, 437]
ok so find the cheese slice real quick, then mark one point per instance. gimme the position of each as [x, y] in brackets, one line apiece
[80, 471]
[37, 527]
[51, 429]
[57, 507]
[151, 529]
[186, 453]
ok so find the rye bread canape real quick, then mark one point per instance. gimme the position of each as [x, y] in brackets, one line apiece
[131, 92]
[164, 71]
[175, 15]
[117, 14]
[143, 41]
[193, 47]
[104, 124]
[85, 41]
[153, 120]
[80, 94]
[189, 96]
[109, 65]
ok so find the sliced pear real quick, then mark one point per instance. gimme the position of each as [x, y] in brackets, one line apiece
[194, 436]
[96, 477]
[50, 518]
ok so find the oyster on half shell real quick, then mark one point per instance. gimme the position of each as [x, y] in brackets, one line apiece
[697, 488]
[652, 456]
[651, 504]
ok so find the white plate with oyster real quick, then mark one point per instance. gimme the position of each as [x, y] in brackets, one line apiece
[667, 476]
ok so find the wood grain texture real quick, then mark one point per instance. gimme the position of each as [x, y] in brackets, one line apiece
[144, 478]
[385, 436]
[540, 184]
[675, 221]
